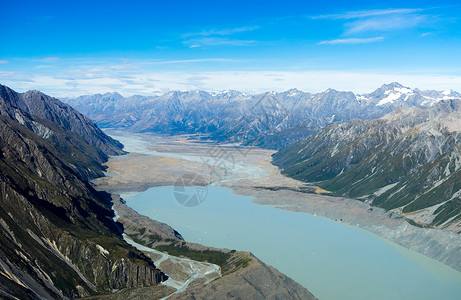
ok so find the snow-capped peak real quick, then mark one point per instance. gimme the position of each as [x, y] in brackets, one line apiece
[327, 91]
[293, 92]
[396, 93]
[447, 92]
[391, 86]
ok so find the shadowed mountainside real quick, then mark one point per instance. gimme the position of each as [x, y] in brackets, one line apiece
[57, 236]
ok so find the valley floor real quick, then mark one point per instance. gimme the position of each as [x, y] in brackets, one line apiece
[183, 160]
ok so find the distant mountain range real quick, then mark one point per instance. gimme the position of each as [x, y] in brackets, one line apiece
[270, 120]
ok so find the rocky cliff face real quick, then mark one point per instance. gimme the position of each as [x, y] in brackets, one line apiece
[408, 161]
[57, 235]
[271, 120]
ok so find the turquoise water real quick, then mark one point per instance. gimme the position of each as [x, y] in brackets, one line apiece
[332, 260]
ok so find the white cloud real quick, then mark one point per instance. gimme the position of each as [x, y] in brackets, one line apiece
[353, 41]
[4, 62]
[151, 82]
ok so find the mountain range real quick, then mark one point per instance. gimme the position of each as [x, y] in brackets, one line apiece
[270, 120]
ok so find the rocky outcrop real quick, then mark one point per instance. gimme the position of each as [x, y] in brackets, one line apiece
[256, 281]
[57, 234]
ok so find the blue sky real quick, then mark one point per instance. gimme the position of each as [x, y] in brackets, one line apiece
[69, 48]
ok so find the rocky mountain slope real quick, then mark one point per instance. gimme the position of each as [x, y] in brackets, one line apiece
[255, 281]
[57, 234]
[73, 134]
[270, 120]
[407, 161]
[45, 107]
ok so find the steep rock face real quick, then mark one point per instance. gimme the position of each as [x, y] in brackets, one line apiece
[271, 120]
[57, 236]
[45, 107]
[76, 137]
[408, 160]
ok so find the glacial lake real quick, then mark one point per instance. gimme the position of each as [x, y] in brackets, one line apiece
[331, 259]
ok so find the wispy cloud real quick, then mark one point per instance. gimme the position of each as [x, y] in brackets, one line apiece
[228, 31]
[358, 24]
[4, 62]
[377, 21]
[217, 41]
[353, 41]
[369, 13]
[182, 61]
[389, 22]
[50, 59]
[218, 37]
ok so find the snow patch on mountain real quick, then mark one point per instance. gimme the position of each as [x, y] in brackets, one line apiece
[395, 94]
[391, 98]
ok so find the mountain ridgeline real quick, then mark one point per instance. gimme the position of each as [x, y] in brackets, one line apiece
[270, 120]
[407, 161]
[57, 234]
